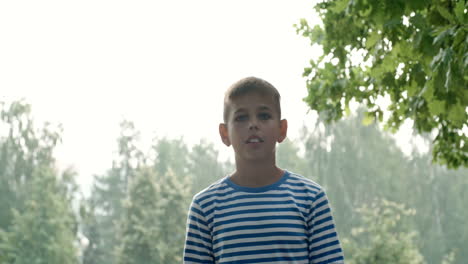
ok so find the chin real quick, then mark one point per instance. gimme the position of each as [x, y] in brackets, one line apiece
[259, 158]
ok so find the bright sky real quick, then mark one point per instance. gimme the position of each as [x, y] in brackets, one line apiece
[162, 64]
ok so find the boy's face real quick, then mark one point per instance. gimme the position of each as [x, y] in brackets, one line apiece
[253, 127]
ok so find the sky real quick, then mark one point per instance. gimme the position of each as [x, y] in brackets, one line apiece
[164, 65]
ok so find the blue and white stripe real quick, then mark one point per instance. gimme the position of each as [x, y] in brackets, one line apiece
[289, 221]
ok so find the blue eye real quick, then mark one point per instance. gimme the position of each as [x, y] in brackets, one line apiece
[264, 116]
[240, 118]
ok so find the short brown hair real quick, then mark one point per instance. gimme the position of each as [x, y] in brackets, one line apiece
[250, 85]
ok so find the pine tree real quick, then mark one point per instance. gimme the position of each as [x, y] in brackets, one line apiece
[104, 209]
[139, 229]
[22, 149]
[44, 232]
[37, 224]
[204, 167]
[153, 227]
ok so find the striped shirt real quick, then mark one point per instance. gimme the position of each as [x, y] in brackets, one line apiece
[287, 222]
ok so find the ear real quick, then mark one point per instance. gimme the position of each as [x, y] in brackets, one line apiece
[283, 130]
[223, 132]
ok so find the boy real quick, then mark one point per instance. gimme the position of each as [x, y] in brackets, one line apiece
[260, 213]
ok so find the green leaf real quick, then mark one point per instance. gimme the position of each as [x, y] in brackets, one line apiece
[459, 11]
[365, 12]
[436, 107]
[347, 111]
[412, 88]
[317, 35]
[428, 91]
[367, 119]
[457, 115]
[392, 23]
[460, 35]
[442, 36]
[465, 63]
[436, 60]
[306, 72]
[445, 13]
[418, 21]
[448, 54]
[372, 39]
[448, 78]
[339, 6]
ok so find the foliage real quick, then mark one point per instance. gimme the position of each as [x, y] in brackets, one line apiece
[44, 232]
[349, 154]
[152, 228]
[103, 210]
[121, 223]
[357, 164]
[170, 154]
[139, 228]
[204, 167]
[91, 227]
[413, 52]
[141, 201]
[37, 224]
[440, 197]
[287, 156]
[383, 238]
[22, 149]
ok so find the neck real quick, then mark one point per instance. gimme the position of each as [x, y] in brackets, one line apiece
[256, 173]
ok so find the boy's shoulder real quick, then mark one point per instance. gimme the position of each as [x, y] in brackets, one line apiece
[304, 181]
[218, 186]
[290, 180]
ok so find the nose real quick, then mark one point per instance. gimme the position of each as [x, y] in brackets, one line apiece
[253, 124]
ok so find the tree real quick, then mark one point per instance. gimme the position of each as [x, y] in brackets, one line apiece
[94, 252]
[357, 164]
[171, 172]
[37, 224]
[173, 199]
[170, 154]
[413, 52]
[140, 204]
[383, 238]
[104, 208]
[22, 149]
[44, 231]
[204, 167]
[287, 157]
[139, 229]
[153, 227]
[439, 196]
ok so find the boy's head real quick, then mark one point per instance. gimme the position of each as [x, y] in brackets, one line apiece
[247, 86]
[252, 119]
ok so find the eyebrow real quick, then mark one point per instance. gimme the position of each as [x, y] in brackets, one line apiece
[239, 110]
[261, 108]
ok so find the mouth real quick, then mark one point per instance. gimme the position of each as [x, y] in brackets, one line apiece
[254, 139]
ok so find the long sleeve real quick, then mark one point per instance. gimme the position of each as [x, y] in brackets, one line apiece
[324, 245]
[198, 241]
